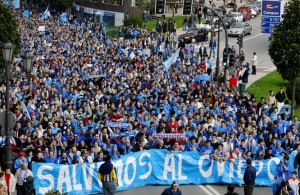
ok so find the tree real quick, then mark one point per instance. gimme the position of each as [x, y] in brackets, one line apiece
[284, 48]
[8, 30]
[66, 3]
[145, 4]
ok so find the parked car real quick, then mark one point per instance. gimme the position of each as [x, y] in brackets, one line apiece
[194, 33]
[237, 17]
[257, 3]
[206, 24]
[253, 7]
[241, 28]
[253, 13]
[246, 12]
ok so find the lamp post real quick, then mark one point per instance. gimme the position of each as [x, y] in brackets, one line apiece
[229, 20]
[225, 30]
[220, 13]
[28, 61]
[7, 55]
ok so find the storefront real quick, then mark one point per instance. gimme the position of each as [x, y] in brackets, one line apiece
[108, 18]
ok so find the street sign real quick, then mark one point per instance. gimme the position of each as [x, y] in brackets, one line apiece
[11, 120]
[268, 25]
[267, 30]
[271, 8]
[270, 19]
[271, 15]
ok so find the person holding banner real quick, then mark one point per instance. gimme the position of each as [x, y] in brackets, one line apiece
[249, 178]
[108, 176]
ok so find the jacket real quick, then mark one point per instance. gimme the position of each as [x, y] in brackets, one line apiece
[107, 173]
[12, 184]
[168, 191]
[250, 175]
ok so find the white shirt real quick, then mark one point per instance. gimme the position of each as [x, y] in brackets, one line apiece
[294, 184]
[21, 175]
[254, 60]
[89, 159]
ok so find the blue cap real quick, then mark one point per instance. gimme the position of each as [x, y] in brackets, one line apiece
[63, 139]
[75, 157]
[175, 183]
[278, 142]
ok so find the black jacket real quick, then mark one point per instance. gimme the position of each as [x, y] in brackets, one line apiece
[280, 97]
[250, 175]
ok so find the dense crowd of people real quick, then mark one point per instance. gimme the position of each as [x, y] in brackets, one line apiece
[90, 95]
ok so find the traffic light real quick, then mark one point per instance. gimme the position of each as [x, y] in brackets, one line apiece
[187, 7]
[225, 59]
[231, 59]
[160, 6]
[240, 41]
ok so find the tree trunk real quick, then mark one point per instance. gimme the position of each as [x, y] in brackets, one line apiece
[293, 97]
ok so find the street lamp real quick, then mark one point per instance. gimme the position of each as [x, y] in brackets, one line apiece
[225, 30]
[7, 51]
[28, 61]
[220, 13]
[7, 55]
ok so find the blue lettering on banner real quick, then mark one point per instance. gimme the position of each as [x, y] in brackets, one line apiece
[142, 168]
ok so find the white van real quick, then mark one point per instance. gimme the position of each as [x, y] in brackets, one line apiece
[237, 17]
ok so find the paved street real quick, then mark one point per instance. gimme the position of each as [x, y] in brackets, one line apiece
[194, 189]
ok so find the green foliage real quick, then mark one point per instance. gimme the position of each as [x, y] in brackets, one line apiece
[145, 4]
[284, 47]
[8, 29]
[66, 3]
[52, 192]
[133, 20]
[289, 91]
[178, 19]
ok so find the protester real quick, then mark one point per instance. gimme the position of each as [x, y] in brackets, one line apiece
[10, 182]
[173, 190]
[294, 182]
[249, 178]
[107, 175]
[254, 63]
[284, 189]
[24, 178]
[230, 190]
[3, 182]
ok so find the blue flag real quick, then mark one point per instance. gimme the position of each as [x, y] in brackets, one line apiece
[171, 60]
[46, 14]
[26, 13]
[64, 17]
[278, 178]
